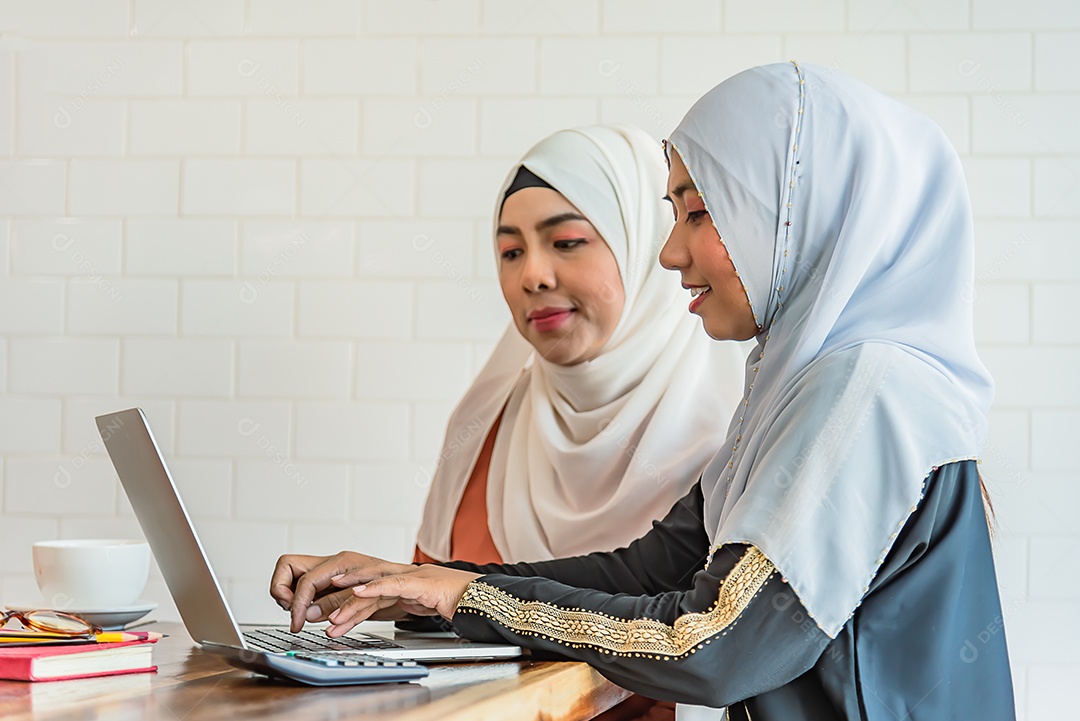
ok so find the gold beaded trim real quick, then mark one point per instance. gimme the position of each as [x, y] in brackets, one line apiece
[642, 637]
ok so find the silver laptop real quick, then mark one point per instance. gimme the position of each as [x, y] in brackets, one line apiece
[195, 589]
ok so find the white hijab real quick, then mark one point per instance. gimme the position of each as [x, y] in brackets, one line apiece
[847, 217]
[587, 456]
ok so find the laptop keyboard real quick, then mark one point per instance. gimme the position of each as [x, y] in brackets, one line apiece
[278, 640]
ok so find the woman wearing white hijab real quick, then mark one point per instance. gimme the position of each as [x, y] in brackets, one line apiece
[580, 455]
[850, 573]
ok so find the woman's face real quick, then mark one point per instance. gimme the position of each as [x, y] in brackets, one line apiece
[695, 249]
[558, 276]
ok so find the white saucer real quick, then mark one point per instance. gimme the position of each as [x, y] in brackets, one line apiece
[110, 619]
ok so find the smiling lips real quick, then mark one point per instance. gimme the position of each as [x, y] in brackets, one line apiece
[549, 319]
[697, 295]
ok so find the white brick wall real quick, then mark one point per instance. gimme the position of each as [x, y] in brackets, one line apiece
[268, 224]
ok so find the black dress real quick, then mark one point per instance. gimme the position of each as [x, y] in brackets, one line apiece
[926, 643]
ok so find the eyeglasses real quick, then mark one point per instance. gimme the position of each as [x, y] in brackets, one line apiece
[64, 624]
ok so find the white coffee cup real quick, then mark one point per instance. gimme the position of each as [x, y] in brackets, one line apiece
[91, 573]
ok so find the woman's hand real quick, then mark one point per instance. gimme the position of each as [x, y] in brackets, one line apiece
[311, 587]
[419, 590]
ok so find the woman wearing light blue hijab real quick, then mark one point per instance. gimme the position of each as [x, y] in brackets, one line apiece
[834, 561]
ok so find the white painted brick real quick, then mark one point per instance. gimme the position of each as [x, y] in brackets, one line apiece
[50, 126]
[303, 18]
[1002, 313]
[282, 489]
[243, 67]
[388, 492]
[1049, 556]
[969, 63]
[1027, 250]
[1052, 436]
[305, 369]
[125, 187]
[63, 366]
[78, 71]
[1039, 504]
[415, 248]
[121, 306]
[1052, 693]
[180, 247]
[881, 15]
[17, 535]
[1051, 14]
[29, 425]
[657, 116]
[354, 309]
[429, 433]
[239, 187]
[297, 248]
[371, 187]
[1057, 186]
[603, 66]
[81, 435]
[878, 60]
[127, 528]
[5, 247]
[742, 16]
[22, 587]
[460, 188]
[1056, 385]
[191, 18]
[3, 374]
[45, 296]
[1029, 627]
[1024, 124]
[236, 308]
[32, 187]
[419, 17]
[59, 486]
[204, 485]
[382, 540]
[999, 187]
[1053, 305]
[1053, 59]
[1011, 566]
[425, 128]
[644, 18]
[171, 367]
[251, 603]
[694, 65]
[242, 549]
[65, 18]
[463, 309]
[241, 429]
[64, 246]
[551, 17]
[416, 371]
[360, 67]
[950, 112]
[304, 126]
[185, 127]
[7, 102]
[1006, 451]
[477, 66]
[352, 431]
[511, 126]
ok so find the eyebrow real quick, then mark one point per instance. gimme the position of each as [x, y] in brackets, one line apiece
[679, 190]
[544, 224]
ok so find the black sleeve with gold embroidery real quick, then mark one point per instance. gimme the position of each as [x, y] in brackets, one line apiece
[737, 632]
[664, 559]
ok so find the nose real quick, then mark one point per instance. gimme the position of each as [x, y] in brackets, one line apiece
[674, 256]
[538, 273]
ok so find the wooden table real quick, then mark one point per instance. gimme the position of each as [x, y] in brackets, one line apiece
[192, 685]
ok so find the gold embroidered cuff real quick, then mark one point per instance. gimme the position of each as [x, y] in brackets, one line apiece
[641, 637]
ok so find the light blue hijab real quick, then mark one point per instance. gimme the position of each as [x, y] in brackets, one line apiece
[848, 220]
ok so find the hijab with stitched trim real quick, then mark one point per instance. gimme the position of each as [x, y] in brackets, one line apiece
[847, 218]
[587, 456]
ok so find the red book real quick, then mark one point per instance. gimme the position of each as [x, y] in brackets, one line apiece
[55, 663]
